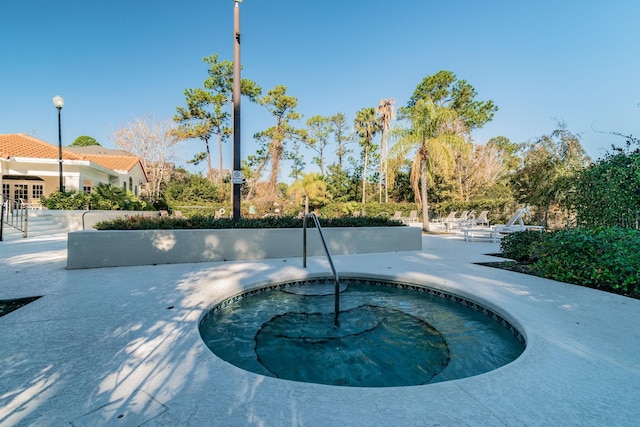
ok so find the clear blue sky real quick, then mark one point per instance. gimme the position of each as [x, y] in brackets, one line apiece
[114, 61]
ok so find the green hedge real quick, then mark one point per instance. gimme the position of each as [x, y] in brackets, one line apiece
[517, 246]
[601, 258]
[209, 222]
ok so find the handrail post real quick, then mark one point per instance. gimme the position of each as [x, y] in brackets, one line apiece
[25, 219]
[304, 242]
[326, 250]
[1, 219]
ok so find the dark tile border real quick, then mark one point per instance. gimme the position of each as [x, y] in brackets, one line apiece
[373, 282]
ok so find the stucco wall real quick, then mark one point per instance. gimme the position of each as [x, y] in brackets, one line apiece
[91, 249]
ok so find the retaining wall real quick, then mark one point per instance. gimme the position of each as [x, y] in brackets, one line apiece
[91, 249]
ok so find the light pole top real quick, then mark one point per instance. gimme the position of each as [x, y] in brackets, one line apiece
[58, 101]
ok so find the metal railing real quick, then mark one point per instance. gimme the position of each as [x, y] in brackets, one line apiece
[93, 212]
[326, 250]
[15, 214]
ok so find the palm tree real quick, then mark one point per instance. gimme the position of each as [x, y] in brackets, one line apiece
[387, 112]
[366, 125]
[311, 187]
[434, 134]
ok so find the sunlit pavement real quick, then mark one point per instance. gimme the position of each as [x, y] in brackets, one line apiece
[120, 346]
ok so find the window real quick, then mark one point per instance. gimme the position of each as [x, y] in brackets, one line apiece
[87, 189]
[21, 191]
[6, 192]
[37, 191]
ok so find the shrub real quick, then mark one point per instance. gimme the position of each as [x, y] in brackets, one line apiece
[105, 196]
[517, 245]
[602, 258]
[210, 222]
[608, 193]
[67, 200]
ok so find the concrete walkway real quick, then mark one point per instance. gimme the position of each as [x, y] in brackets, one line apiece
[120, 347]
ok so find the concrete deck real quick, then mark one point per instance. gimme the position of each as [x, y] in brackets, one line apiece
[120, 346]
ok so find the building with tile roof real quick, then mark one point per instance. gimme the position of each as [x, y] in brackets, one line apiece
[29, 168]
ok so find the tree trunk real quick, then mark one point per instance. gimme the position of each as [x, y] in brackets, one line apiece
[423, 196]
[220, 162]
[364, 175]
[209, 174]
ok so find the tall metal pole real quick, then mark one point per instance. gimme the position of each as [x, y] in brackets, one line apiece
[236, 175]
[61, 187]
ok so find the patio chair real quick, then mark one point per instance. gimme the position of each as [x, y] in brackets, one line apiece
[397, 216]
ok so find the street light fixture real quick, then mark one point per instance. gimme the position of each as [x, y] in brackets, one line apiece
[59, 103]
[236, 176]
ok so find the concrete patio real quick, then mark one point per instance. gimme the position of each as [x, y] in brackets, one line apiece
[121, 347]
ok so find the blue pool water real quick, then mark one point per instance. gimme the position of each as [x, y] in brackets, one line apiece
[389, 335]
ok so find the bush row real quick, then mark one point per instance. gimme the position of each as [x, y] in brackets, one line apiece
[210, 222]
[602, 258]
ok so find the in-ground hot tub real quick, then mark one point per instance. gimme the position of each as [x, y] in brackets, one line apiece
[389, 334]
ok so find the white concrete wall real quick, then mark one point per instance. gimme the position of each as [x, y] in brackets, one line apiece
[72, 220]
[91, 249]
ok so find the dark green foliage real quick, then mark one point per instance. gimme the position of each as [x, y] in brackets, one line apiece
[105, 197]
[209, 222]
[67, 200]
[444, 88]
[84, 141]
[608, 193]
[111, 197]
[193, 189]
[517, 246]
[602, 258]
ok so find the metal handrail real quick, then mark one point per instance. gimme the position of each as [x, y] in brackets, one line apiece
[90, 211]
[16, 215]
[326, 250]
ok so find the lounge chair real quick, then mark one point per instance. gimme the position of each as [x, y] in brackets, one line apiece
[413, 217]
[461, 221]
[397, 216]
[516, 223]
[449, 218]
[482, 219]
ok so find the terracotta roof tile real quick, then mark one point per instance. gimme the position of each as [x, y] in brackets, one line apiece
[117, 163]
[21, 145]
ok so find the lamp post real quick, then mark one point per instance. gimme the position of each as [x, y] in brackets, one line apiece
[236, 175]
[59, 103]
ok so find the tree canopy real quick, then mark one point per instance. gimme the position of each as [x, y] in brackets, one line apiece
[445, 90]
[84, 141]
